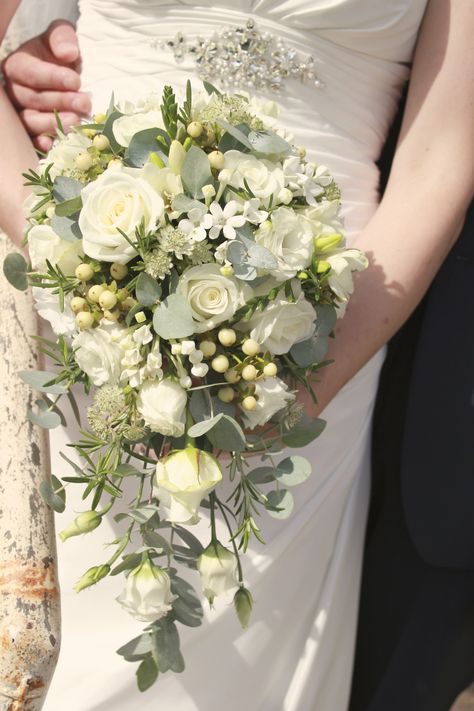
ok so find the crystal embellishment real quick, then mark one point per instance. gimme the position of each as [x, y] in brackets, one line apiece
[244, 57]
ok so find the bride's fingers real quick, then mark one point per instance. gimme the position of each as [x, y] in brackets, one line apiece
[43, 143]
[24, 68]
[61, 40]
[69, 101]
[37, 122]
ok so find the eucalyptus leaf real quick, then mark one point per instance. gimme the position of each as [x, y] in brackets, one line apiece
[327, 318]
[68, 207]
[65, 189]
[142, 144]
[262, 475]
[182, 203]
[231, 142]
[268, 143]
[143, 513]
[165, 644]
[227, 435]
[130, 561]
[66, 228]
[147, 673]
[38, 380]
[237, 132]
[108, 130]
[53, 494]
[153, 539]
[178, 665]
[293, 471]
[190, 539]
[200, 405]
[187, 607]
[46, 419]
[196, 171]
[304, 432]
[311, 351]
[15, 270]
[173, 318]
[200, 428]
[147, 290]
[280, 503]
[127, 470]
[137, 648]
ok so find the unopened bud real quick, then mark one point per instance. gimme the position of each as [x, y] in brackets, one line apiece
[84, 320]
[226, 394]
[249, 403]
[327, 243]
[92, 576]
[227, 336]
[243, 602]
[84, 523]
[84, 272]
[208, 348]
[216, 159]
[250, 347]
[227, 270]
[220, 364]
[118, 271]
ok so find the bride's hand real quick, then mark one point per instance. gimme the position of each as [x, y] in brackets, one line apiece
[42, 76]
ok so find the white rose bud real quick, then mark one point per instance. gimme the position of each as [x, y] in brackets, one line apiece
[183, 479]
[147, 595]
[162, 405]
[218, 569]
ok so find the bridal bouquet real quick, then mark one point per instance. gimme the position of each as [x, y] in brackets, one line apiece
[191, 264]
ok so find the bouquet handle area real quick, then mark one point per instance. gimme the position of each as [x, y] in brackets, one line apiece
[29, 593]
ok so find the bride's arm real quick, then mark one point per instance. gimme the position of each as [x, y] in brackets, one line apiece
[430, 186]
[16, 151]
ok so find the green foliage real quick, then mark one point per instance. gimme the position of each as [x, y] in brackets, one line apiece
[53, 494]
[147, 290]
[169, 111]
[196, 172]
[173, 318]
[143, 144]
[15, 270]
[280, 503]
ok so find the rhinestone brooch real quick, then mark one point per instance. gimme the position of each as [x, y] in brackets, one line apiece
[243, 57]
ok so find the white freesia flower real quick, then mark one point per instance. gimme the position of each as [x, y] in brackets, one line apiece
[162, 404]
[147, 595]
[264, 178]
[44, 244]
[99, 352]
[218, 569]
[343, 262]
[164, 180]
[324, 218]
[282, 324]
[118, 199]
[64, 152]
[272, 396]
[125, 127]
[182, 480]
[48, 306]
[224, 219]
[213, 298]
[289, 236]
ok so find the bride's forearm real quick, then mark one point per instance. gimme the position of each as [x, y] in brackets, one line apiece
[16, 155]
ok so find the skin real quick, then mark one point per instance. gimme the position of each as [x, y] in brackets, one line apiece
[430, 187]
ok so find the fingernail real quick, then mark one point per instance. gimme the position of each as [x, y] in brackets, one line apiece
[71, 81]
[66, 48]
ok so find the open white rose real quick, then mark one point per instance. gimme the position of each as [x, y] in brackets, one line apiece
[213, 298]
[162, 405]
[125, 127]
[218, 569]
[282, 324]
[118, 199]
[99, 352]
[343, 262]
[264, 178]
[182, 480]
[289, 236]
[47, 304]
[44, 244]
[272, 396]
[147, 595]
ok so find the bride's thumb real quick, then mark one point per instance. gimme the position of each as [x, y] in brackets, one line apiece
[62, 41]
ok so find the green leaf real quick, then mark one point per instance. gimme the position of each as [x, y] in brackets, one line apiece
[236, 132]
[53, 494]
[182, 203]
[200, 428]
[153, 539]
[200, 405]
[45, 418]
[210, 88]
[142, 144]
[38, 380]
[147, 673]
[327, 318]
[227, 435]
[75, 466]
[311, 351]
[109, 132]
[280, 503]
[15, 270]
[165, 644]
[142, 514]
[268, 143]
[68, 207]
[293, 471]
[136, 649]
[187, 607]
[127, 470]
[130, 561]
[65, 189]
[307, 429]
[178, 665]
[147, 290]
[196, 172]
[190, 539]
[173, 318]
[66, 228]
[262, 475]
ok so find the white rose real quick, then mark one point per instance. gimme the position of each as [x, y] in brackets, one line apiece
[289, 236]
[147, 595]
[99, 352]
[125, 127]
[213, 298]
[182, 480]
[162, 405]
[282, 324]
[264, 178]
[64, 152]
[48, 306]
[44, 244]
[343, 262]
[218, 569]
[118, 199]
[272, 396]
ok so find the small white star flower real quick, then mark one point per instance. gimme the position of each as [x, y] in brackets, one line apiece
[224, 219]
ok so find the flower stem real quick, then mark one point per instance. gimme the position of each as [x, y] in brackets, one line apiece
[234, 545]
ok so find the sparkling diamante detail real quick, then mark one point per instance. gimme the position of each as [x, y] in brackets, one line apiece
[243, 57]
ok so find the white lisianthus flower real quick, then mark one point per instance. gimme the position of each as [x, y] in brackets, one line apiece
[272, 396]
[264, 178]
[99, 352]
[64, 152]
[44, 244]
[147, 595]
[47, 305]
[343, 262]
[289, 236]
[182, 480]
[224, 219]
[324, 218]
[118, 199]
[213, 298]
[125, 127]
[162, 404]
[282, 324]
[218, 569]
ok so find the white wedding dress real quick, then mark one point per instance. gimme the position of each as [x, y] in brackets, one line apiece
[297, 653]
